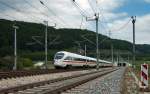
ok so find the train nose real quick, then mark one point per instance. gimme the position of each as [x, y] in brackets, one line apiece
[56, 61]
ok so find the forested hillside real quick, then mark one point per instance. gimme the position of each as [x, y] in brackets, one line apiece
[59, 39]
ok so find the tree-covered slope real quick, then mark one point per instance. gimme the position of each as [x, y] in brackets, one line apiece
[58, 39]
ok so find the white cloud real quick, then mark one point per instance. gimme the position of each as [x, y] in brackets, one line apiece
[66, 10]
[109, 5]
[141, 29]
[62, 8]
[148, 1]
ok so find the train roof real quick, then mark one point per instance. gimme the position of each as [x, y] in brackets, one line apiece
[76, 55]
[83, 57]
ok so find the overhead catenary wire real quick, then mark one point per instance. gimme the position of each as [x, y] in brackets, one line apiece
[98, 11]
[81, 22]
[3, 3]
[13, 18]
[91, 7]
[41, 12]
[123, 26]
[116, 29]
[82, 25]
[38, 10]
[105, 25]
[51, 11]
[106, 22]
[96, 5]
[102, 15]
[81, 11]
[34, 7]
[18, 10]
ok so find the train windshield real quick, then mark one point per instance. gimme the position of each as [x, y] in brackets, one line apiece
[59, 56]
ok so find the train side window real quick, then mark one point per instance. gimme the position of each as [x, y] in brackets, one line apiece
[68, 58]
[59, 56]
[92, 61]
[79, 59]
[82, 59]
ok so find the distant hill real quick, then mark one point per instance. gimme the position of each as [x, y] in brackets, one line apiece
[59, 39]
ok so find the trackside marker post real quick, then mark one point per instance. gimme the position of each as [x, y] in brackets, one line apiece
[144, 76]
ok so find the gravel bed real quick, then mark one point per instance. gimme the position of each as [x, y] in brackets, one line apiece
[56, 85]
[108, 84]
[11, 82]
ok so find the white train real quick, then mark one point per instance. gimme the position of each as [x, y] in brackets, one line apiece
[65, 59]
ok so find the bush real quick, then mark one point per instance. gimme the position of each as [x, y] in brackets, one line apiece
[24, 63]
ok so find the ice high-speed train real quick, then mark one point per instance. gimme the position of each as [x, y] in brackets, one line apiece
[65, 59]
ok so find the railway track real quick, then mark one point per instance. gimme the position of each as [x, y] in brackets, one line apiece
[18, 81]
[111, 83]
[57, 86]
[13, 74]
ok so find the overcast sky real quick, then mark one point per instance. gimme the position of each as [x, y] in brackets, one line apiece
[115, 15]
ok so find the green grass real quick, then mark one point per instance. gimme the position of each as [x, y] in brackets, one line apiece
[138, 65]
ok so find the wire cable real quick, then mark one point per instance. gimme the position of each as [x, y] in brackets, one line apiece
[41, 12]
[91, 7]
[26, 1]
[13, 18]
[51, 11]
[81, 23]
[81, 11]
[18, 10]
[123, 26]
